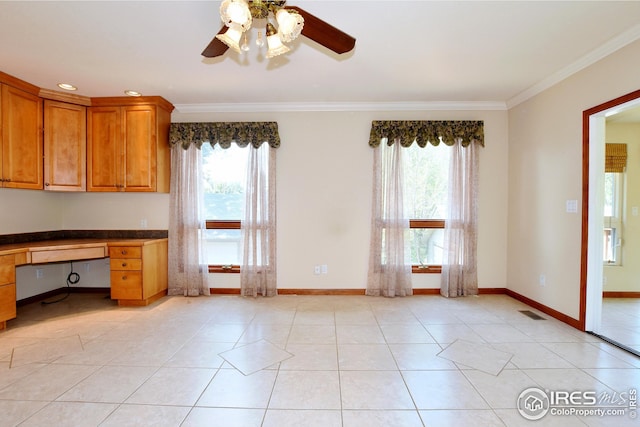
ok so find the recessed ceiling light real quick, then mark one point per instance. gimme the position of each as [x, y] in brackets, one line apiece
[132, 93]
[67, 86]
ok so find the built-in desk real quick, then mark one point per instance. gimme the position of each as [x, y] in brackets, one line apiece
[138, 267]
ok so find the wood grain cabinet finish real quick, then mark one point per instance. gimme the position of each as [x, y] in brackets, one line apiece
[138, 272]
[21, 140]
[65, 142]
[7, 289]
[127, 147]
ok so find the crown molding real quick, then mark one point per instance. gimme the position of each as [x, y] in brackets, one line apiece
[591, 58]
[259, 107]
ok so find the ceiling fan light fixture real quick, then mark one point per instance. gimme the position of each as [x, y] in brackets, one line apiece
[290, 24]
[236, 12]
[274, 43]
[232, 37]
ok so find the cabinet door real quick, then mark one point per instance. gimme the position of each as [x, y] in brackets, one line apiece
[21, 139]
[140, 139]
[104, 149]
[65, 142]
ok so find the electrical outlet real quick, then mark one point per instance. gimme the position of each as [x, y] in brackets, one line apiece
[87, 266]
[324, 268]
[143, 223]
[39, 273]
[316, 269]
[543, 280]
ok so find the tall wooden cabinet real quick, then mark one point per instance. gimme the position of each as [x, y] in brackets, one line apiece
[21, 139]
[65, 142]
[128, 144]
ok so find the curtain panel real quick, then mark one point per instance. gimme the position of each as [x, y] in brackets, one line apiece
[459, 275]
[187, 272]
[258, 270]
[224, 133]
[424, 132]
[389, 273]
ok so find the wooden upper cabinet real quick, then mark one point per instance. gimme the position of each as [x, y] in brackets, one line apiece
[140, 146]
[65, 141]
[21, 145]
[104, 149]
[128, 146]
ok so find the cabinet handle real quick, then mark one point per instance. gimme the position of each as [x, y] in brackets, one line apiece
[124, 252]
[124, 264]
[124, 277]
[46, 184]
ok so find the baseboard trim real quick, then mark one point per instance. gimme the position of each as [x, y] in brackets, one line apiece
[429, 291]
[620, 294]
[543, 308]
[73, 290]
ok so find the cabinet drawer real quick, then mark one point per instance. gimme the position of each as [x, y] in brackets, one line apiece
[7, 302]
[125, 252]
[7, 270]
[126, 285]
[125, 264]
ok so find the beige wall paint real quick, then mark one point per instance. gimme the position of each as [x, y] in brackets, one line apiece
[626, 277]
[324, 184]
[545, 170]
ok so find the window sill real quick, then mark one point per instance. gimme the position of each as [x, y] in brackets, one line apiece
[224, 269]
[426, 269]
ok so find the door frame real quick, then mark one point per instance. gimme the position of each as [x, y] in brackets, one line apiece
[591, 269]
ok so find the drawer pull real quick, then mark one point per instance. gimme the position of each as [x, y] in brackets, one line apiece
[124, 252]
[124, 264]
[124, 277]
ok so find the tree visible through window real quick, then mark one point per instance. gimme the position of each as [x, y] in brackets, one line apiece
[426, 174]
[225, 175]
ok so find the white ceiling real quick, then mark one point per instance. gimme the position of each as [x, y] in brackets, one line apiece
[476, 53]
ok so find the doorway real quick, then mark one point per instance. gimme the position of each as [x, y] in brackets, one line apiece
[593, 201]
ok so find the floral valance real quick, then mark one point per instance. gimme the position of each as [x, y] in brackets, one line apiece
[223, 133]
[425, 132]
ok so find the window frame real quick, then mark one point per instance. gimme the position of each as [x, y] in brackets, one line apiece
[615, 221]
[421, 224]
[223, 224]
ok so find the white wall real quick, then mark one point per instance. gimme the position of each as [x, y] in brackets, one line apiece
[545, 170]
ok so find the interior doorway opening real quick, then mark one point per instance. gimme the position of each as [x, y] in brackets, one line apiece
[592, 266]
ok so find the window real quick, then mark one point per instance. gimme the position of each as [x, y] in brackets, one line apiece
[224, 172]
[615, 163]
[612, 231]
[426, 175]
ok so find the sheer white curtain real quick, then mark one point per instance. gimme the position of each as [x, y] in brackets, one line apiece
[258, 270]
[389, 269]
[187, 258]
[459, 265]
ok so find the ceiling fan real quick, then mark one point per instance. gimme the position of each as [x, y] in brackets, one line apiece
[237, 16]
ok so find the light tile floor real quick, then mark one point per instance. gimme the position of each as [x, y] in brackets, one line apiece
[621, 321]
[326, 361]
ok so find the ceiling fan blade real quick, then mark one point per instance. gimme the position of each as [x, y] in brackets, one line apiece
[216, 47]
[326, 35]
